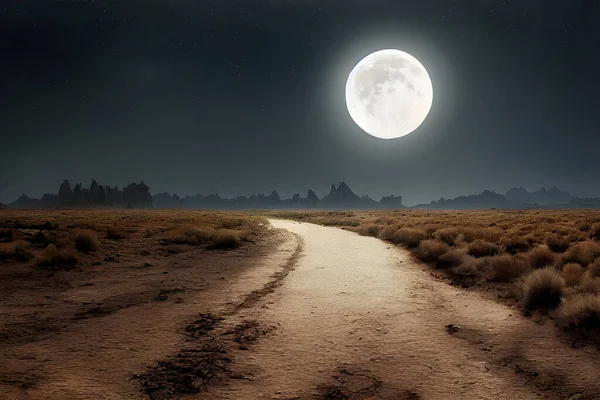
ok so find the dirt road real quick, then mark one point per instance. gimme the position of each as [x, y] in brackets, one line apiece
[358, 318]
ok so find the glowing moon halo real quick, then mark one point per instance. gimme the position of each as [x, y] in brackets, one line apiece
[389, 94]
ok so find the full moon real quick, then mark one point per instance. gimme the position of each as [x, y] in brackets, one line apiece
[389, 94]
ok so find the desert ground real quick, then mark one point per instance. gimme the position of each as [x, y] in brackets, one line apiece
[399, 304]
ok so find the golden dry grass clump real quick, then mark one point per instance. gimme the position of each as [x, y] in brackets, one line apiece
[581, 313]
[543, 289]
[572, 273]
[481, 248]
[86, 241]
[16, 250]
[53, 257]
[540, 257]
[431, 250]
[583, 253]
[506, 268]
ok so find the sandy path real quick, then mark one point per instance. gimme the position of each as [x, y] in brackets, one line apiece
[359, 318]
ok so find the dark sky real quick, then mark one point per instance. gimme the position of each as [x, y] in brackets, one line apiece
[246, 96]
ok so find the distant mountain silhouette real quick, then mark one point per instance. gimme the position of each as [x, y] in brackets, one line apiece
[552, 196]
[134, 195]
[340, 197]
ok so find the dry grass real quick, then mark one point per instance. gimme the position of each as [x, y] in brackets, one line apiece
[557, 244]
[506, 268]
[572, 273]
[430, 251]
[581, 313]
[583, 253]
[52, 257]
[408, 237]
[86, 241]
[540, 257]
[543, 289]
[115, 233]
[481, 248]
[62, 239]
[16, 251]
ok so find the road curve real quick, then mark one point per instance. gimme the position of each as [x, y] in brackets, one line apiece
[358, 317]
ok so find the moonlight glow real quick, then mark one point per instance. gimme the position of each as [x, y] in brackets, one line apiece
[389, 94]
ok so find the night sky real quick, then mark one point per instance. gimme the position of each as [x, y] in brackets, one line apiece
[246, 96]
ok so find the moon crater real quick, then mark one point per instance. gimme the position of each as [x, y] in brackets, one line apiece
[389, 94]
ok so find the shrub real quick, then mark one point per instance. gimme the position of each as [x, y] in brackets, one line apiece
[590, 285]
[52, 257]
[581, 312]
[540, 257]
[114, 233]
[429, 251]
[447, 235]
[225, 239]
[543, 289]
[369, 230]
[584, 226]
[481, 248]
[506, 268]
[16, 250]
[515, 244]
[230, 223]
[453, 257]
[595, 232]
[572, 273]
[387, 232]
[593, 270]
[583, 253]
[86, 241]
[408, 237]
[467, 267]
[557, 244]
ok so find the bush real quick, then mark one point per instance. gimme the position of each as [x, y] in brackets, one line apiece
[515, 244]
[506, 268]
[453, 258]
[408, 237]
[593, 270]
[114, 233]
[225, 239]
[540, 257]
[581, 312]
[468, 267]
[590, 285]
[481, 248]
[86, 241]
[595, 232]
[572, 273]
[447, 235]
[583, 253]
[543, 289]
[429, 251]
[557, 244]
[52, 257]
[369, 230]
[16, 250]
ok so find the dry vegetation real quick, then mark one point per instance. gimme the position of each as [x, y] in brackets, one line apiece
[542, 260]
[79, 238]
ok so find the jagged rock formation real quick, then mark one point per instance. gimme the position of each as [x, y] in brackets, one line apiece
[391, 201]
[135, 195]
